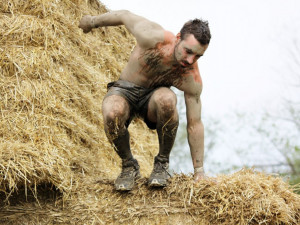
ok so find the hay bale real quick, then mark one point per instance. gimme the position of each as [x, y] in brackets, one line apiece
[53, 79]
[246, 197]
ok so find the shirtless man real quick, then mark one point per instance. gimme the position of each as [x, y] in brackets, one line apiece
[158, 61]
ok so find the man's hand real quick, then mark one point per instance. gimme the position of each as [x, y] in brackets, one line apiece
[199, 174]
[86, 24]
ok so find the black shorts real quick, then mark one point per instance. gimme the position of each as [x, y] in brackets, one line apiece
[137, 97]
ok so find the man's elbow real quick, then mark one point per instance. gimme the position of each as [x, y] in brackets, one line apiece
[195, 127]
[123, 13]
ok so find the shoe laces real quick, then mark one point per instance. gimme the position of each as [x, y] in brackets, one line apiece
[127, 171]
[161, 168]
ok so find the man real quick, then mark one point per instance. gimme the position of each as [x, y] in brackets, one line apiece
[158, 61]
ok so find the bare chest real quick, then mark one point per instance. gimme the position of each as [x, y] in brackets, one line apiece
[158, 67]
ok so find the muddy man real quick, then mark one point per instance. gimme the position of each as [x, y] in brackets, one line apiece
[159, 60]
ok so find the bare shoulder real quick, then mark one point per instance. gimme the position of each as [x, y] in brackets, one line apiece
[168, 39]
[148, 33]
[191, 83]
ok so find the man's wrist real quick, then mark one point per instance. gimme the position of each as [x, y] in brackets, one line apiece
[93, 22]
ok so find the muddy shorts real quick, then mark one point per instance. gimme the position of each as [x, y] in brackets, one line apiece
[138, 98]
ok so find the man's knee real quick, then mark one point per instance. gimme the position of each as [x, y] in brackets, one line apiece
[115, 115]
[166, 102]
[115, 110]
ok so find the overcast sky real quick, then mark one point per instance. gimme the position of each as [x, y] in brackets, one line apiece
[246, 65]
[241, 68]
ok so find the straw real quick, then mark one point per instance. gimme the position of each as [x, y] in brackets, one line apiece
[56, 165]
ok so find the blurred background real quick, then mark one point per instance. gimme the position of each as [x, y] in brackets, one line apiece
[251, 82]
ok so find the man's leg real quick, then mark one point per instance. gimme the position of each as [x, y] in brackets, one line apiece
[116, 112]
[162, 111]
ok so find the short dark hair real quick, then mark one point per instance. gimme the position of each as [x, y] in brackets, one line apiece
[199, 28]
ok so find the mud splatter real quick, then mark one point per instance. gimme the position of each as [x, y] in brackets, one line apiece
[164, 74]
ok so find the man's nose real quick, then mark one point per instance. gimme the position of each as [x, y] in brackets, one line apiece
[190, 59]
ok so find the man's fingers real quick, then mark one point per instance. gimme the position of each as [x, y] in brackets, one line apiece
[198, 176]
[201, 176]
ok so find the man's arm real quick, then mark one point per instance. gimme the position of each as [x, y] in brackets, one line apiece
[195, 131]
[147, 33]
[192, 88]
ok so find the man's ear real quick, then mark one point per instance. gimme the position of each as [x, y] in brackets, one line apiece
[178, 36]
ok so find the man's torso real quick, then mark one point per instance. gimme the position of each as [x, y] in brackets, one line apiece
[155, 67]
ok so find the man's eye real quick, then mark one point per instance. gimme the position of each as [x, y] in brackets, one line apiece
[188, 51]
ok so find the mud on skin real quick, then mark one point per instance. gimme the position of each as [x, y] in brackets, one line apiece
[163, 77]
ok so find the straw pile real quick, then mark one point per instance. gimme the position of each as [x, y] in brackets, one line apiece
[56, 165]
[245, 197]
[53, 79]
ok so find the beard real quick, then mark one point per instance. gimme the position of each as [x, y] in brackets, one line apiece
[177, 58]
[175, 54]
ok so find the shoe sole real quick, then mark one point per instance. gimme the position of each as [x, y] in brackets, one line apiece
[155, 183]
[123, 188]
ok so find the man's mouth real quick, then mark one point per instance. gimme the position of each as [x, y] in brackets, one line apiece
[184, 64]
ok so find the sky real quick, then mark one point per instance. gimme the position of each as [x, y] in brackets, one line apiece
[245, 66]
[239, 67]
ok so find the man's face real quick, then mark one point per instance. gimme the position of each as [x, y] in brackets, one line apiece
[188, 50]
